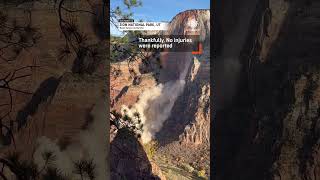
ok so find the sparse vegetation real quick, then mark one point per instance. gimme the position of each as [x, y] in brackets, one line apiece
[29, 170]
[187, 167]
[19, 35]
[125, 48]
[151, 148]
[133, 124]
[202, 174]
[85, 168]
[14, 39]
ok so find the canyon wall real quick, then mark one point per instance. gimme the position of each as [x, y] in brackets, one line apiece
[172, 96]
[65, 109]
[269, 128]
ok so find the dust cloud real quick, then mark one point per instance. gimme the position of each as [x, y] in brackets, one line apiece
[155, 104]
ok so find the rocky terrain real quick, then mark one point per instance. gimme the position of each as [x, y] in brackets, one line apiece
[267, 127]
[65, 107]
[184, 137]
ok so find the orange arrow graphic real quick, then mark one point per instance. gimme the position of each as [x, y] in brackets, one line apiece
[199, 51]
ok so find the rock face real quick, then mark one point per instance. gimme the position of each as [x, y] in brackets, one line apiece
[173, 63]
[199, 132]
[123, 91]
[270, 128]
[185, 134]
[128, 159]
[61, 100]
[181, 23]
[301, 129]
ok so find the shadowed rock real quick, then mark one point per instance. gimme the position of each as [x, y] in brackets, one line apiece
[128, 160]
[46, 90]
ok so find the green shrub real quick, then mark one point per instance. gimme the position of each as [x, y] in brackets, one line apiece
[202, 173]
[151, 148]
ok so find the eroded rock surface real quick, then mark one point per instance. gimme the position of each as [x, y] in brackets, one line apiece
[270, 128]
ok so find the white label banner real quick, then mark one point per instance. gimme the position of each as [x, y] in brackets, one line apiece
[142, 26]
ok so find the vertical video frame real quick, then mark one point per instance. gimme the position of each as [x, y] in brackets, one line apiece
[160, 89]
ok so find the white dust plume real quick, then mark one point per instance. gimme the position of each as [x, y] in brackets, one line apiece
[155, 104]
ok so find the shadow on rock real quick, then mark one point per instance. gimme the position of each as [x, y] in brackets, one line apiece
[128, 160]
